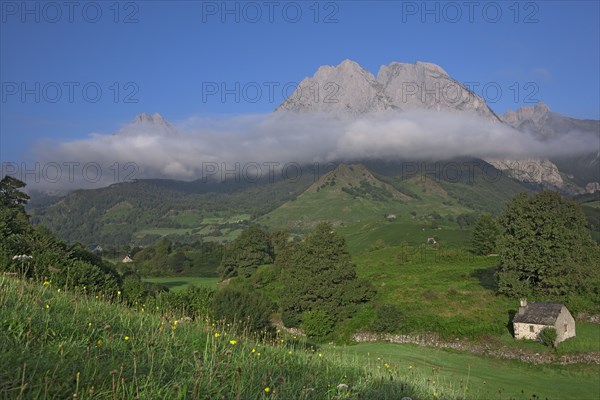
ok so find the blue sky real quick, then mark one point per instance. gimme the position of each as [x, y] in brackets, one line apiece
[155, 56]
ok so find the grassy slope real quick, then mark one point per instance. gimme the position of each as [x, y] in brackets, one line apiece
[60, 345]
[441, 290]
[451, 292]
[56, 345]
[362, 219]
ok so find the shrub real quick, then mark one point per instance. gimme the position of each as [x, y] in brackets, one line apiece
[317, 324]
[191, 302]
[548, 337]
[389, 318]
[134, 289]
[243, 309]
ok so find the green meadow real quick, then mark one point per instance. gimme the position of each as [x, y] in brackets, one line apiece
[66, 344]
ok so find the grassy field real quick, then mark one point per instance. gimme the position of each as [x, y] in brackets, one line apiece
[449, 291]
[61, 344]
[68, 345]
[405, 230]
[179, 283]
[484, 377]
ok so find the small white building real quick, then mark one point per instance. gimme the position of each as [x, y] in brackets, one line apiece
[533, 317]
[127, 259]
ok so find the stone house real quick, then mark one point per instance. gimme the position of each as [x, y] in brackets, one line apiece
[533, 317]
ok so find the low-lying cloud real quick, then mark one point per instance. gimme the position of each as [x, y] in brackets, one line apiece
[279, 138]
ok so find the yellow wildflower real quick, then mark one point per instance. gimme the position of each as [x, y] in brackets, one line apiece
[46, 283]
[99, 342]
[126, 337]
[267, 390]
[232, 342]
[217, 334]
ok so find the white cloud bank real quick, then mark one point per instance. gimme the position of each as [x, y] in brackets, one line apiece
[299, 138]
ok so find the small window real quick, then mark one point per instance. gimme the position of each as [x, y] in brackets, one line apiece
[531, 328]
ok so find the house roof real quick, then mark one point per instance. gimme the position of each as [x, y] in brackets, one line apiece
[539, 313]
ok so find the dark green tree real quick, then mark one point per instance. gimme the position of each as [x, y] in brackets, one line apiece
[246, 253]
[545, 248]
[15, 228]
[321, 276]
[485, 235]
[243, 308]
[10, 194]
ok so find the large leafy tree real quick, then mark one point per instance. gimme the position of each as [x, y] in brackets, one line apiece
[14, 222]
[545, 248]
[246, 253]
[321, 276]
[485, 235]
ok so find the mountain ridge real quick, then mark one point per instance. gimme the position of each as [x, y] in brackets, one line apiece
[351, 90]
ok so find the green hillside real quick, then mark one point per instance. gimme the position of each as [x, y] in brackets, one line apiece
[440, 203]
[381, 210]
[143, 211]
[69, 345]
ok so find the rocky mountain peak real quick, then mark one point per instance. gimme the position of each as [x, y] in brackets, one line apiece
[536, 114]
[155, 118]
[350, 90]
[147, 124]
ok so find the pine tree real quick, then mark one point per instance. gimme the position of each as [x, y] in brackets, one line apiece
[485, 235]
[322, 276]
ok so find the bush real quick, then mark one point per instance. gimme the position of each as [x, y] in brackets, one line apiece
[389, 318]
[243, 309]
[134, 289]
[191, 302]
[317, 324]
[291, 317]
[548, 337]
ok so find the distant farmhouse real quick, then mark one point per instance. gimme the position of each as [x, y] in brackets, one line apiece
[533, 317]
[127, 259]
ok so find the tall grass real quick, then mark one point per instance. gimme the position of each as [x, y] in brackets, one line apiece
[62, 344]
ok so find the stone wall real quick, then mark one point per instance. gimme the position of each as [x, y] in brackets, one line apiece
[565, 319]
[527, 331]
